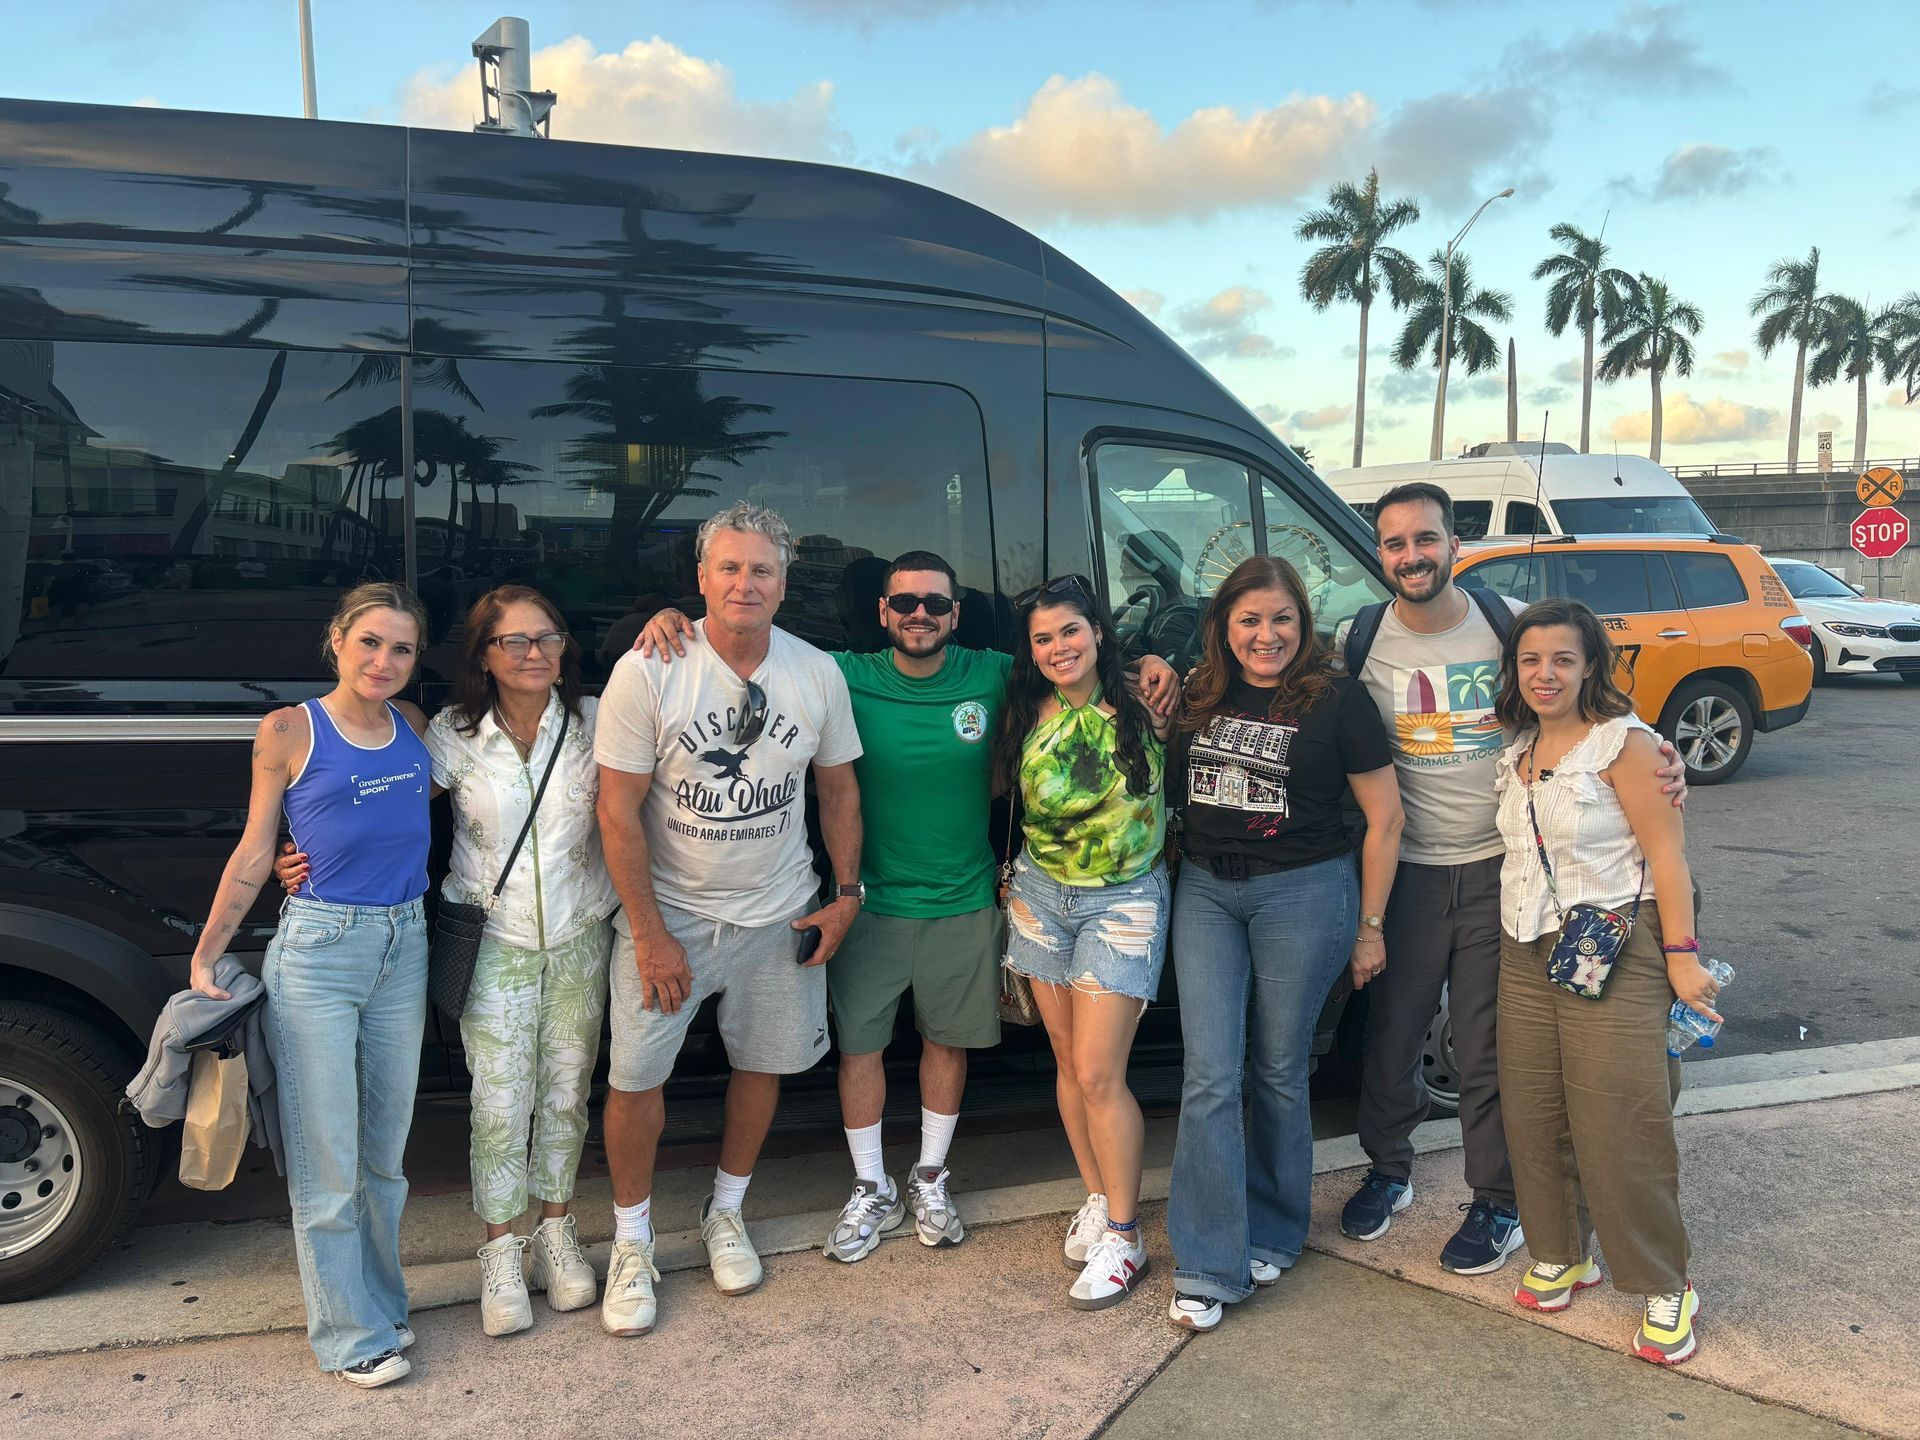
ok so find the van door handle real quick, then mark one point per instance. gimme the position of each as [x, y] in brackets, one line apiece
[1673, 634]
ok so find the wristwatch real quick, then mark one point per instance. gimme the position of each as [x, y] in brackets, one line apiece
[1376, 922]
[856, 892]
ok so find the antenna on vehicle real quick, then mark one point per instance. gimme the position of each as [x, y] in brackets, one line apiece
[1539, 486]
[1616, 466]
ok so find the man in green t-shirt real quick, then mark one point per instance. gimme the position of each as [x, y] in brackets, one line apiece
[926, 710]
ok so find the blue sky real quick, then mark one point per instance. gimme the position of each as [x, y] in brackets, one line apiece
[1172, 148]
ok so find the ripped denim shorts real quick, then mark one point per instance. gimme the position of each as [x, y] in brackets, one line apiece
[1092, 937]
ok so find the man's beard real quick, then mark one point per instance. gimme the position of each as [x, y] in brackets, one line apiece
[1428, 585]
[902, 636]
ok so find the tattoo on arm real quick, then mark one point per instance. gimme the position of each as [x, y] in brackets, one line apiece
[248, 883]
[281, 726]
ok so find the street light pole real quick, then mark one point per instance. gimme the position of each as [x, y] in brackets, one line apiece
[310, 107]
[1446, 325]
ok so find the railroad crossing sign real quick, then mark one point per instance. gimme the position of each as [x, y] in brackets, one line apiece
[1879, 533]
[1880, 486]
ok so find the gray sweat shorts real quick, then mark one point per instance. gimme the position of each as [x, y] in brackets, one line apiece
[773, 1011]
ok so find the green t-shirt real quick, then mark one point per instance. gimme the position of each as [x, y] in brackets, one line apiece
[924, 778]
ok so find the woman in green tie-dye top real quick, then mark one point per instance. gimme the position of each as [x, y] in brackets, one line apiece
[1088, 906]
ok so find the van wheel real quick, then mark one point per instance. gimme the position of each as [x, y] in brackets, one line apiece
[1711, 725]
[74, 1170]
[1438, 1067]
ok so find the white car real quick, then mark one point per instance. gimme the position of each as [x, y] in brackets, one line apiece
[1852, 633]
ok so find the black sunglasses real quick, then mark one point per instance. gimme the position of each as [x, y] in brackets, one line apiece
[753, 719]
[905, 603]
[1066, 585]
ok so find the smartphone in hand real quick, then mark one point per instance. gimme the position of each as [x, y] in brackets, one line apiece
[809, 943]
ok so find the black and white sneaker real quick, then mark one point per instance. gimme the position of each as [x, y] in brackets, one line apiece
[381, 1370]
[1193, 1312]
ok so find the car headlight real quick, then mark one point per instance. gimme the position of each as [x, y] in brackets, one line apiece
[1858, 632]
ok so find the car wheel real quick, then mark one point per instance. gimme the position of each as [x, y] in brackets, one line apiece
[1438, 1067]
[1819, 662]
[74, 1170]
[1711, 725]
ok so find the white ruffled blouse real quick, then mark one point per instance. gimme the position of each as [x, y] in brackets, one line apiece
[559, 884]
[1596, 860]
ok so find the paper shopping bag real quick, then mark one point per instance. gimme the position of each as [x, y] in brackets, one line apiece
[217, 1123]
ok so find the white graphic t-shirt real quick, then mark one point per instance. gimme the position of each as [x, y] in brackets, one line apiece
[1435, 694]
[726, 824]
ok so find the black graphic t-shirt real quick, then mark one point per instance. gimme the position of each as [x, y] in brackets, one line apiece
[1271, 789]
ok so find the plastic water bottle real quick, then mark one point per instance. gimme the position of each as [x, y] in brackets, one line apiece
[1686, 1025]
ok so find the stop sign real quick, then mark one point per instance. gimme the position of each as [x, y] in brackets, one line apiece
[1877, 534]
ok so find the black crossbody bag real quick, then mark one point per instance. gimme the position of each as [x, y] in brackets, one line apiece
[458, 925]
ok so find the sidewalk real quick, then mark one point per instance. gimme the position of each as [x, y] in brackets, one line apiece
[1801, 1216]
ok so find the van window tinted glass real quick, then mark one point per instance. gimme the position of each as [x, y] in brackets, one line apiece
[1633, 515]
[589, 482]
[1707, 580]
[172, 514]
[1524, 518]
[1173, 524]
[1338, 582]
[1609, 582]
[1519, 577]
[1471, 518]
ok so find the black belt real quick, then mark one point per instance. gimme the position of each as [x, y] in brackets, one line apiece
[1235, 867]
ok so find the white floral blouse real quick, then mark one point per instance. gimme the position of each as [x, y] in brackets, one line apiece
[558, 885]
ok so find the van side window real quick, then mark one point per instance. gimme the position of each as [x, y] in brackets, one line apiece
[1173, 524]
[1337, 581]
[1707, 580]
[1524, 518]
[1471, 518]
[1518, 577]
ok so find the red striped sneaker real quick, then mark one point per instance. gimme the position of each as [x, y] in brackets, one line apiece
[1115, 1263]
[1666, 1331]
[1551, 1287]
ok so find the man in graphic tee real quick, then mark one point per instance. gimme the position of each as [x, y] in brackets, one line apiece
[703, 813]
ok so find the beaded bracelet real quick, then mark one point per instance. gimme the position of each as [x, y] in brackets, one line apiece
[1688, 946]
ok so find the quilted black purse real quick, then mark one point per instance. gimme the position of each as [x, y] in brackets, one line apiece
[1591, 936]
[458, 924]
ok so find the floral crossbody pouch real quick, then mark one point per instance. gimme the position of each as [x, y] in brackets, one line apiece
[1591, 936]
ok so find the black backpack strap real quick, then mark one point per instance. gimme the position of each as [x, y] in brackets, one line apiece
[1494, 608]
[1366, 625]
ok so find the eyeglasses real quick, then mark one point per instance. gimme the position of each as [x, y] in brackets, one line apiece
[1066, 585]
[551, 644]
[905, 604]
[753, 719]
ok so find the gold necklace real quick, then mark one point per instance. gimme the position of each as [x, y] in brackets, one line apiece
[506, 725]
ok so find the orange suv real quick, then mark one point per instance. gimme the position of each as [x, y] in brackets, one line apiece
[1711, 646]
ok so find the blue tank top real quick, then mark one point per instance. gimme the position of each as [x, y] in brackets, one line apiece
[360, 814]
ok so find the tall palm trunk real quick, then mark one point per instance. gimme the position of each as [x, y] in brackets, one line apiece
[1360, 389]
[1513, 396]
[1653, 453]
[1793, 420]
[1860, 427]
[1440, 400]
[1586, 389]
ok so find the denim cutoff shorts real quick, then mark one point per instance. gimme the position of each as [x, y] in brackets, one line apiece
[1092, 937]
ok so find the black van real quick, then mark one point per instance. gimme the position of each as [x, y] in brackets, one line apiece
[245, 362]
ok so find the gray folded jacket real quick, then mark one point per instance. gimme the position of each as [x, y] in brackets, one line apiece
[159, 1091]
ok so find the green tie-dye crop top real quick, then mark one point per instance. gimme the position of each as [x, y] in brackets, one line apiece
[1083, 826]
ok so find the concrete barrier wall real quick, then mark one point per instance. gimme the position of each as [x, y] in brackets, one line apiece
[1805, 517]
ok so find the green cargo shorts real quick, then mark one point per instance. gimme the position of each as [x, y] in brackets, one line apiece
[951, 963]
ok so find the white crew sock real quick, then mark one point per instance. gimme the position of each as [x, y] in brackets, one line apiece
[867, 1164]
[936, 1134]
[729, 1191]
[634, 1222]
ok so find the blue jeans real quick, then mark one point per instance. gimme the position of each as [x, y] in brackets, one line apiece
[1091, 937]
[346, 1000]
[1255, 959]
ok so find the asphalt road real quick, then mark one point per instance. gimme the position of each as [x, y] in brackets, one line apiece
[1806, 860]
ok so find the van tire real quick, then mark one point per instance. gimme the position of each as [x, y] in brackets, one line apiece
[1699, 720]
[73, 1077]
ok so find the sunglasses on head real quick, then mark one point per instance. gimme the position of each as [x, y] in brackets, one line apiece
[905, 603]
[753, 719]
[1067, 585]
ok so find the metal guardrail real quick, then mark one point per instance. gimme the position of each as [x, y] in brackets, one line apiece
[1906, 466]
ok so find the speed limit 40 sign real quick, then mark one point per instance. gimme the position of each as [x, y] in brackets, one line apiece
[1876, 534]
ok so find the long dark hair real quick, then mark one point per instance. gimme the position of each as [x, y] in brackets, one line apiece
[1599, 698]
[1027, 688]
[473, 687]
[1308, 677]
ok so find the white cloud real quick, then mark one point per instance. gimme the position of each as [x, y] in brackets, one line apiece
[1327, 417]
[1147, 302]
[1646, 54]
[1458, 147]
[1222, 326]
[1567, 372]
[1727, 365]
[1685, 421]
[1897, 399]
[1081, 152]
[650, 93]
[1698, 169]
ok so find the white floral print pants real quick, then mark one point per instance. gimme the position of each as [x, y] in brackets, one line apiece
[532, 1033]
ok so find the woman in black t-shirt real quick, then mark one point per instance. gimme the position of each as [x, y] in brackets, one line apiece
[1264, 917]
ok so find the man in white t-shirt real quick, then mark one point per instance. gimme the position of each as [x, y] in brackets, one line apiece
[703, 816]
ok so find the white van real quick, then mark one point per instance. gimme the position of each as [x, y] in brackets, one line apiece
[1507, 488]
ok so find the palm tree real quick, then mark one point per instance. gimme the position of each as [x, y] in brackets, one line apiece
[1789, 307]
[1900, 349]
[1471, 344]
[1585, 289]
[1356, 221]
[1650, 333]
[1851, 343]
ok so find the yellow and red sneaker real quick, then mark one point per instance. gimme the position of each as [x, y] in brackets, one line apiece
[1666, 1331]
[1550, 1287]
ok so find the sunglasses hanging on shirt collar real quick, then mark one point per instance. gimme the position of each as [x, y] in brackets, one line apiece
[753, 717]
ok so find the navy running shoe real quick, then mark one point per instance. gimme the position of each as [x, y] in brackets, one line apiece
[1485, 1239]
[1373, 1206]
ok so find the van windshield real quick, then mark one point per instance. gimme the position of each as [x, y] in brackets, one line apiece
[1633, 515]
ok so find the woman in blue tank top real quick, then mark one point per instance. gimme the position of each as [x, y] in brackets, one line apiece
[346, 972]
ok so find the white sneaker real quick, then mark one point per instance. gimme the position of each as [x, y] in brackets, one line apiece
[504, 1307]
[1114, 1266]
[869, 1215]
[558, 1266]
[381, 1370]
[736, 1265]
[1265, 1273]
[934, 1215]
[1194, 1312]
[628, 1307]
[1088, 1225]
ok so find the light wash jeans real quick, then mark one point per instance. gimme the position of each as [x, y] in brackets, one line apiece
[1254, 960]
[346, 1000]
